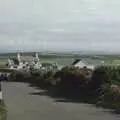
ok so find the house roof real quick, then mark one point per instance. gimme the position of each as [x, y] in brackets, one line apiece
[76, 61]
[81, 63]
[27, 58]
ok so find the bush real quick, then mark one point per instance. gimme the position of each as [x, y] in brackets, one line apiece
[19, 77]
[110, 97]
[105, 74]
[74, 80]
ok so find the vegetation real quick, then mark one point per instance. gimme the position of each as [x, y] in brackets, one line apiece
[2, 111]
[3, 62]
[108, 79]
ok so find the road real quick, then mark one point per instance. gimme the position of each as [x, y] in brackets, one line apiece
[21, 105]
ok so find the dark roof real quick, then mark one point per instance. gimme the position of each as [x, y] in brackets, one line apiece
[76, 61]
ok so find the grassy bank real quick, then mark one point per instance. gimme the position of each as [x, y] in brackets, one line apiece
[100, 87]
[3, 111]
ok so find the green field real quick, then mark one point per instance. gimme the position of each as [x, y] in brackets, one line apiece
[64, 59]
[3, 62]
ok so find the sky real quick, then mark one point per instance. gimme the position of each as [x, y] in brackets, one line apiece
[60, 25]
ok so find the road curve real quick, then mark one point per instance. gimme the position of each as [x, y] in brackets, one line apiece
[21, 105]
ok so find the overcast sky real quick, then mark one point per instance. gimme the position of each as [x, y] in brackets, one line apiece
[60, 25]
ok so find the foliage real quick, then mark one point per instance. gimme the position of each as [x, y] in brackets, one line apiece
[106, 74]
[104, 83]
[74, 80]
[110, 97]
[2, 111]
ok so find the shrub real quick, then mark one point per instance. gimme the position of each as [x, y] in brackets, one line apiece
[110, 97]
[74, 80]
[105, 74]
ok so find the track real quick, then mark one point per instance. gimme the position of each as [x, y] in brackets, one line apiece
[21, 105]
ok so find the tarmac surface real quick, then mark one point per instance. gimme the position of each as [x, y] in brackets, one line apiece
[23, 105]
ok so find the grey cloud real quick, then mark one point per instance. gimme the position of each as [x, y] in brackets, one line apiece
[67, 24]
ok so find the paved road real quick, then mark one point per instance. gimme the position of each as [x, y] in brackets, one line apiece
[23, 106]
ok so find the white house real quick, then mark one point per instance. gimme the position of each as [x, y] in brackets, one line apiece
[24, 62]
[81, 64]
[28, 63]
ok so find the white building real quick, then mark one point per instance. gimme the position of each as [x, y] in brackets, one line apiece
[81, 64]
[22, 62]
[28, 63]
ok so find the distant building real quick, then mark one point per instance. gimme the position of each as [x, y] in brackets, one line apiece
[30, 63]
[24, 62]
[81, 64]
